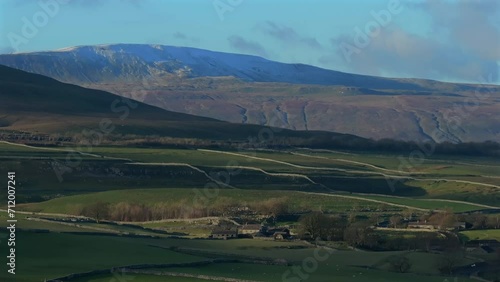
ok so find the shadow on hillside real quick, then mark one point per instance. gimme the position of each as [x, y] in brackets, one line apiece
[370, 185]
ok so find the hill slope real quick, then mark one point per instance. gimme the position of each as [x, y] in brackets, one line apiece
[250, 89]
[118, 62]
[37, 104]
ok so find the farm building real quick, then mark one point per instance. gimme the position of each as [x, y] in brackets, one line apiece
[279, 233]
[421, 225]
[251, 229]
[224, 233]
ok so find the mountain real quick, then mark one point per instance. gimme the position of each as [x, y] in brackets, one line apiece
[39, 105]
[109, 63]
[250, 89]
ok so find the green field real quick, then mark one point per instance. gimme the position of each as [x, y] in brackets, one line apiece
[51, 255]
[358, 173]
[482, 234]
[137, 277]
[298, 200]
[331, 182]
[86, 252]
[429, 204]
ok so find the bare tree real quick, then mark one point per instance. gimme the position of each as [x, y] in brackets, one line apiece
[312, 224]
[395, 220]
[493, 221]
[448, 261]
[400, 263]
[478, 221]
[97, 211]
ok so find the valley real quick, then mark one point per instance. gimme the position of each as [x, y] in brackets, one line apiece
[134, 162]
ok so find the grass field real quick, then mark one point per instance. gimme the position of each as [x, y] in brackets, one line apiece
[482, 234]
[430, 204]
[306, 179]
[51, 255]
[457, 179]
[137, 277]
[23, 223]
[325, 272]
[274, 273]
[298, 200]
[86, 252]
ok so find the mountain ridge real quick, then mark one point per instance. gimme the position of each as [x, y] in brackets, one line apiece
[36, 104]
[253, 90]
[246, 67]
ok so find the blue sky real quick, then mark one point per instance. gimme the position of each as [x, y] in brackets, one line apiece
[447, 40]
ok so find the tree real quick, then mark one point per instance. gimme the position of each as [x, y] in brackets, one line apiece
[374, 219]
[400, 263]
[444, 219]
[395, 220]
[448, 261]
[97, 211]
[312, 224]
[424, 240]
[408, 215]
[319, 225]
[478, 221]
[493, 222]
[334, 228]
[360, 234]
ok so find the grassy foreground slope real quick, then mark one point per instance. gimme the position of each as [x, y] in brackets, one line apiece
[66, 254]
[70, 253]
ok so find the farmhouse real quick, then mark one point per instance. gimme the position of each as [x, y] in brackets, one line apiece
[251, 229]
[224, 233]
[420, 225]
[279, 233]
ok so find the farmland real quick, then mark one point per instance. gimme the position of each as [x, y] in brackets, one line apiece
[197, 188]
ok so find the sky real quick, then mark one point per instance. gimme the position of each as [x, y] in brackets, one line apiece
[448, 40]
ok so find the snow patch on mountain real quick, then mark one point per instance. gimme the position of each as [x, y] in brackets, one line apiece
[122, 62]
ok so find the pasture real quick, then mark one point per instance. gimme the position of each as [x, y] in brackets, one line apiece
[333, 182]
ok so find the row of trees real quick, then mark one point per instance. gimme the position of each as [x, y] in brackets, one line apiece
[223, 206]
[337, 228]
[447, 219]
[362, 234]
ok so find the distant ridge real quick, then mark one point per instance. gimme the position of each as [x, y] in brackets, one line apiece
[252, 90]
[93, 64]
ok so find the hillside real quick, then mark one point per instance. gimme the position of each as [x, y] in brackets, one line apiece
[37, 104]
[249, 89]
[105, 63]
